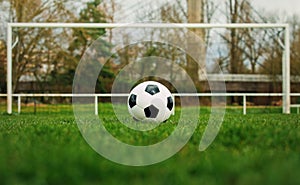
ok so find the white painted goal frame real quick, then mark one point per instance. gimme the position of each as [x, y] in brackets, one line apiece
[285, 60]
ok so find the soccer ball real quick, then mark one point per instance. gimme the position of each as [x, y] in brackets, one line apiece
[151, 101]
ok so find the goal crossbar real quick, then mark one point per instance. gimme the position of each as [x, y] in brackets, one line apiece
[145, 25]
[285, 60]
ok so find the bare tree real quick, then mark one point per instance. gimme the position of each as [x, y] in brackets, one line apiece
[246, 47]
[36, 47]
[109, 8]
[272, 64]
[295, 45]
[235, 54]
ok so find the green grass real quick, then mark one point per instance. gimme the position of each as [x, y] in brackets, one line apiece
[48, 149]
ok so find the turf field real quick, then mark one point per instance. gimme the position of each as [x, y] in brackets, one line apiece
[47, 148]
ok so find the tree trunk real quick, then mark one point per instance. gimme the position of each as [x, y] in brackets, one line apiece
[196, 67]
[234, 63]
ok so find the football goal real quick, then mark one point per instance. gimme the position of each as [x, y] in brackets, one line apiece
[13, 39]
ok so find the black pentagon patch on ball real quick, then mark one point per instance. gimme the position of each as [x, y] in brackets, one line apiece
[170, 103]
[151, 111]
[132, 100]
[152, 89]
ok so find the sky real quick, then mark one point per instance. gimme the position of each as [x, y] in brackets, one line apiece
[282, 6]
[130, 7]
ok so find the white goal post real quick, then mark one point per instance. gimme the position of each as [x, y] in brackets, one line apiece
[285, 61]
